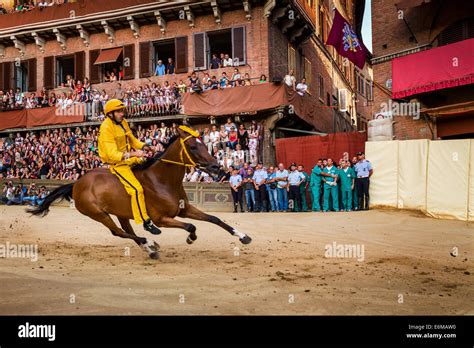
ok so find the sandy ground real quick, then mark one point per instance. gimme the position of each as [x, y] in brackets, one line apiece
[83, 269]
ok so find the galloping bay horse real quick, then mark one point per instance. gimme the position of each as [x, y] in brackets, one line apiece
[99, 193]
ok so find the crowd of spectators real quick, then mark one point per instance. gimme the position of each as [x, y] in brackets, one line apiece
[66, 154]
[29, 5]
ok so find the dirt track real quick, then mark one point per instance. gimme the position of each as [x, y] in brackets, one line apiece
[283, 271]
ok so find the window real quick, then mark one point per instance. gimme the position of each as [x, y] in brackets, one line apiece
[321, 23]
[21, 75]
[23, 72]
[163, 50]
[117, 63]
[308, 74]
[151, 52]
[291, 59]
[231, 42]
[368, 89]
[342, 100]
[458, 31]
[321, 88]
[64, 67]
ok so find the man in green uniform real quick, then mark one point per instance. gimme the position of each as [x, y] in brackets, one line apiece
[303, 187]
[347, 179]
[315, 184]
[330, 187]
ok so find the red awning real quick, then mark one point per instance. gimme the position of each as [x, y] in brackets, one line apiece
[108, 56]
[441, 67]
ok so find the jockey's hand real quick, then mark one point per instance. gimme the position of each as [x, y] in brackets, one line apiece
[137, 153]
[150, 148]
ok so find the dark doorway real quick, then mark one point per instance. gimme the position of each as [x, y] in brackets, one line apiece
[163, 50]
[219, 42]
[21, 75]
[64, 67]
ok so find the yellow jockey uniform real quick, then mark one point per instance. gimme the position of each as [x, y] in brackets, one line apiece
[115, 141]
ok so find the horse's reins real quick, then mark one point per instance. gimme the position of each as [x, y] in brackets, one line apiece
[185, 152]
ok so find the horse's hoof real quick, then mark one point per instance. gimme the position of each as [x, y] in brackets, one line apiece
[245, 240]
[189, 240]
[154, 255]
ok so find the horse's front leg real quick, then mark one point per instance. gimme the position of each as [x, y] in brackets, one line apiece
[194, 213]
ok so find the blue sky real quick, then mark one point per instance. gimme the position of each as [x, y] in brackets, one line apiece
[367, 25]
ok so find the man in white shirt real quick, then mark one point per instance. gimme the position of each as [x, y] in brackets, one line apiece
[227, 61]
[214, 137]
[302, 87]
[290, 79]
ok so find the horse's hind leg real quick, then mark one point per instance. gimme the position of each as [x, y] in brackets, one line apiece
[194, 213]
[170, 222]
[125, 223]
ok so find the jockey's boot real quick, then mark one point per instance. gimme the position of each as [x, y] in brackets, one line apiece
[149, 226]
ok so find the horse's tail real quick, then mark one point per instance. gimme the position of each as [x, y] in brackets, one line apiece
[64, 191]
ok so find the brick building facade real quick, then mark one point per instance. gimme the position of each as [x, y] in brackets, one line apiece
[39, 48]
[406, 30]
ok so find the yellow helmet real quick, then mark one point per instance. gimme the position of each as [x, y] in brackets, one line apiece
[113, 105]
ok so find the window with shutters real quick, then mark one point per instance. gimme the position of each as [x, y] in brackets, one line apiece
[308, 74]
[321, 23]
[219, 43]
[32, 75]
[458, 31]
[94, 70]
[169, 55]
[321, 88]
[220, 48]
[20, 76]
[127, 69]
[112, 64]
[65, 68]
[291, 59]
[164, 57]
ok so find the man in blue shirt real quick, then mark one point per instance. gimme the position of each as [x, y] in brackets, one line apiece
[235, 183]
[364, 171]
[272, 189]
[260, 178]
[160, 68]
[281, 177]
[295, 178]
[330, 187]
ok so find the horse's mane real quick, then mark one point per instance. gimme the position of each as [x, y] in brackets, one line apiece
[150, 161]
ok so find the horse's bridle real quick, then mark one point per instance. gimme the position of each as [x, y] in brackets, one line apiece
[184, 151]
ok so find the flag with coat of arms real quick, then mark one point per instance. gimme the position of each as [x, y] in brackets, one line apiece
[346, 42]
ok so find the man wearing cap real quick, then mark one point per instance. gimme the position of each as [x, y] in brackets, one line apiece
[260, 178]
[330, 187]
[119, 148]
[295, 178]
[364, 171]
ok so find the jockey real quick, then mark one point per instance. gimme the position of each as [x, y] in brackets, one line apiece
[121, 150]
